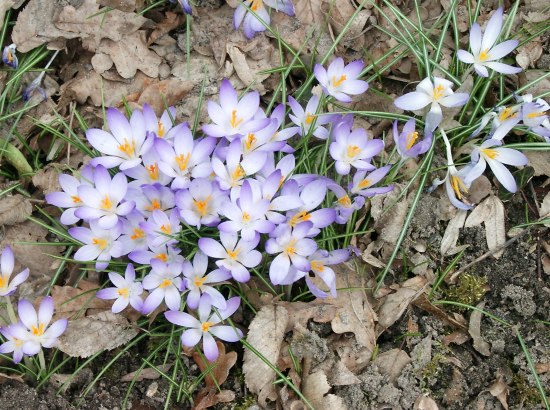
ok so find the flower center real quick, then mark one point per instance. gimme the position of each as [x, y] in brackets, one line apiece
[100, 243]
[10, 56]
[290, 248]
[128, 147]
[205, 327]
[138, 233]
[317, 266]
[155, 204]
[484, 55]
[198, 281]
[106, 204]
[235, 121]
[76, 199]
[338, 83]
[411, 139]
[345, 201]
[299, 217]
[160, 129]
[237, 174]
[438, 92]
[536, 114]
[182, 161]
[161, 256]
[246, 217]
[202, 206]
[165, 283]
[38, 331]
[309, 118]
[18, 342]
[3, 282]
[233, 254]
[250, 141]
[353, 150]
[458, 186]
[491, 153]
[166, 229]
[506, 114]
[123, 292]
[364, 184]
[153, 171]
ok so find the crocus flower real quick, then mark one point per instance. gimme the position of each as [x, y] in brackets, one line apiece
[126, 290]
[9, 57]
[344, 206]
[68, 198]
[99, 243]
[207, 326]
[166, 284]
[433, 94]
[281, 203]
[362, 183]
[13, 344]
[353, 148]
[496, 157]
[503, 120]
[124, 145]
[186, 158]
[186, 6]
[232, 117]
[320, 263]
[262, 141]
[341, 81]
[161, 229]
[457, 182]
[533, 114]
[164, 253]
[484, 51]
[36, 331]
[407, 143]
[201, 203]
[103, 202]
[150, 198]
[159, 127]
[233, 254]
[247, 215]
[7, 261]
[198, 283]
[147, 173]
[251, 24]
[29, 91]
[292, 248]
[309, 121]
[132, 237]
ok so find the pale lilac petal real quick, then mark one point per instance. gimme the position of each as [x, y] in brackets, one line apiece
[209, 347]
[240, 273]
[212, 248]
[413, 101]
[511, 157]
[120, 304]
[492, 31]
[481, 70]
[503, 175]
[56, 329]
[107, 293]
[279, 269]
[503, 49]
[27, 314]
[182, 319]
[190, 337]
[45, 311]
[7, 261]
[465, 57]
[251, 259]
[153, 301]
[433, 118]
[172, 298]
[31, 347]
[475, 39]
[226, 333]
[503, 68]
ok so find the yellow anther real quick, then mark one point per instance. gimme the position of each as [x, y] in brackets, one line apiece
[76, 199]
[291, 249]
[138, 233]
[345, 201]
[127, 147]
[202, 206]
[155, 204]
[160, 129]
[506, 114]
[309, 118]
[182, 161]
[165, 283]
[411, 139]
[299, 217]
[250, 141]
[353, 150]
[162, 256]
[38, 331]
[106, 204]
[233, 254]
[237, 174]
[205, 327]
[364, 184]
[246, 217]
[491, 153]
[100, 243]
[438, 92]
[317, 266]
[153, 171]
[166, 229]
[198, 281]
[124, 292]
[338, 83]
[235, 121]
[484, 55]
[536, 114]
[458, 186]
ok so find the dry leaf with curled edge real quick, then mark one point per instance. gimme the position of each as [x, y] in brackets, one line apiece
[70, 301]
[93, 334]
[474, 329]
[167, 92]
[452, 231]
[14, 209]
[491, 213]
[265, 334]
[354, 313]
[315, 388]
[146, 374]
[499, 389]
[391, 363]
[425, 403]
[396, 303]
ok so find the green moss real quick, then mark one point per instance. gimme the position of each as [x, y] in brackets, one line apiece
[248, 402]
[526, 394]
[469, 290]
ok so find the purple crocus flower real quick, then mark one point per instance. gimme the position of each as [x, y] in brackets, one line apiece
[99, 243]
[533, 113]
[207, 326]
[363, 183]
[104, 201]
[186, 159]
[126, 290]
[407, 143]
[436, 94]
[309, 121]
[251, 24]
[484, 51]
[164, 253]
[233, 254]
[166, 284]
[503, 120]
[262, 141]
[68, 198]
[126, 142]
[457, 182]
[198, 283]
[281, 203]
[496, 157]
[320, 263]
[353, 148]
[13, 344]
[234, 118]
[7, 262]
[36, 331]
[9, 57]
[161, 229]
[247, 215]
[158, 127]
[292, 248]
[340, 80]
[150, 198]
[132, 237]
[201, 203]
[345, 206]
[148, 173]
[186, 6]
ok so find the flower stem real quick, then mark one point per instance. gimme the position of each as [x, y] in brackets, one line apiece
[42, 361]
[11, 311]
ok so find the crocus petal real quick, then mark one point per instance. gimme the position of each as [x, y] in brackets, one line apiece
[465, 57]
[279, 268]
[56, 329]
[191, 337]
[27, 314]
[412, 101]
[120, 304]
[503, 175]
[492, 31]
[212, 248]
[503, 49]
[181, 319]
[511, 157]
[31, 347]
[209, 347]
[503, 68]
[454, 100]
[475, 39]
[45, 311]
[433, 118]
[227, 333]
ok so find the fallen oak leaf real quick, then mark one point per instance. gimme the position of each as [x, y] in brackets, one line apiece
[146, 374]
[474, 329]
[14, 209]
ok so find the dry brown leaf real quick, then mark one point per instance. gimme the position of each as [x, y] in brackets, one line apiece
[479, 214]
[499, 389]
[340, 375]
[396, 303]
[340, 15]
[170, 22]
[389, 221]
[540, 161]
[73, 302]
[124, 5]
[529, 54]
[354, 313]
[131, 54]
[168, 92]
[265, 334]
[101, 62]
[5, 377]
[300, 312]
[315, 388]
[458, 337]
[309, 12]
[392, 362]
[93, 334]
[425, 403]
[538, 87]
[474, 329]
[47, 179]
[14, 209]
[424, 303]
[495, 229]
[542, 367]
[4, 7]
[146, 374]
[452, 231]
